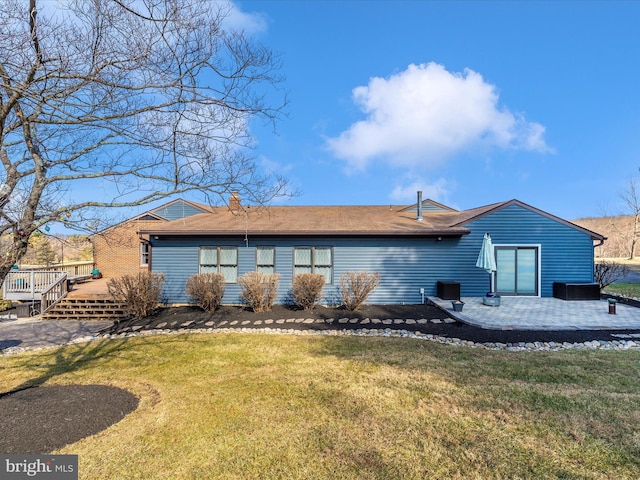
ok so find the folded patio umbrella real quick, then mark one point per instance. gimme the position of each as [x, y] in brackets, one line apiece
[486, 260]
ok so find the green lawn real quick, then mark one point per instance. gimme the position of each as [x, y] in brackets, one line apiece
[279, 407]
[626, 289]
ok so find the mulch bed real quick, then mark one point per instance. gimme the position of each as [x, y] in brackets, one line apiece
[191, 317]
[39, 420]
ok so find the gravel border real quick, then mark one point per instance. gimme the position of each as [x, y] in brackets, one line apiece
[626, 342]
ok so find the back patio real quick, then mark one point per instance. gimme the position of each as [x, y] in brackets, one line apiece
[548, 313]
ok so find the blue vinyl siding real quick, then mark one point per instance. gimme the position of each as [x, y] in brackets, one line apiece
[176, 210]
[428, 206]
[405, 264]
[403, 267]
[566, 253]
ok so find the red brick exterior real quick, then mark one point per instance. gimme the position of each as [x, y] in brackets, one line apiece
[116, 251]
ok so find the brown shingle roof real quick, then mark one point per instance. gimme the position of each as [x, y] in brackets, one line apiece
[335, 220]
[325, 220]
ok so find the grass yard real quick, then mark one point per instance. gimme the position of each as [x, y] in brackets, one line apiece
[241, 406]
[631, 290]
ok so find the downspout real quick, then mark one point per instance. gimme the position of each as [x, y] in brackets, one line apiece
[594, 254]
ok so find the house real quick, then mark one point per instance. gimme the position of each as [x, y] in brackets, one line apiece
[122, 250]
[412, 247]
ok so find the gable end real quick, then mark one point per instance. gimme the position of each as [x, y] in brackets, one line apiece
[178, 209]
[429, 205]
[500, 206]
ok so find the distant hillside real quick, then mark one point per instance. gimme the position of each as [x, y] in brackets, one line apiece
[616, 229]
[48, 250]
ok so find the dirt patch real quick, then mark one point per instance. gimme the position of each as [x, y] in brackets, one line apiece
[39, 420]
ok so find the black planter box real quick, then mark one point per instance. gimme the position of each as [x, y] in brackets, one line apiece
[576, 290]
[448, 290]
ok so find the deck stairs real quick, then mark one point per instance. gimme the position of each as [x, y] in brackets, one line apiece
[86, 308]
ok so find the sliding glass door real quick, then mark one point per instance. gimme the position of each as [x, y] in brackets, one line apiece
[517, 270]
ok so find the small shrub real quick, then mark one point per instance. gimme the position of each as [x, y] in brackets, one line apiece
[206, 289]
[259, 290]
[140, 293]
[5, 304]
[306, 289]
[355, 287]
[607, 272]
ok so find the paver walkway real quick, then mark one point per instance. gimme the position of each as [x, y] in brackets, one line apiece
[33, 332]
[527, 313]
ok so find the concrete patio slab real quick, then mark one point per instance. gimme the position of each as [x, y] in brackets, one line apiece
[533, 313]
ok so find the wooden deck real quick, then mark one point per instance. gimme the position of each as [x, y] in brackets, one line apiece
[90, 289]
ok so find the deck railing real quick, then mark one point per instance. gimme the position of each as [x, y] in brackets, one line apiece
[29, 284]
[72, 268]
[53, 293]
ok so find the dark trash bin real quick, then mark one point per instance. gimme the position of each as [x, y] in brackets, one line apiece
[576, 290]
[448, 290]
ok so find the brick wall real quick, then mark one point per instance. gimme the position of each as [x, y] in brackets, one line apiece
[116, 251]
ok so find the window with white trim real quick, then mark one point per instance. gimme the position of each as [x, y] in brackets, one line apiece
[266, 259]
[314, 260]
[222, 260]
[144, 254]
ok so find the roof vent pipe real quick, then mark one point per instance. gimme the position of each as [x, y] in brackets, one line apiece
[419, 216]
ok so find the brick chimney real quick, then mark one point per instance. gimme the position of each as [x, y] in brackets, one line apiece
[234, 202]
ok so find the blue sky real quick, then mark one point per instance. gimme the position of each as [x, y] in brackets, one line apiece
[470, 102]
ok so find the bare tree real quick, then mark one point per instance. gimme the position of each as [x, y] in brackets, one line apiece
[607, 272]
[143, 98]
[631, 198]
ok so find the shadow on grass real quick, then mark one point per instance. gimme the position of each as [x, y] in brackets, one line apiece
[65, 360]
[4, 344]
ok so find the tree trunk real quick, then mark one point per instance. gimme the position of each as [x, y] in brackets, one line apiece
[15, 252]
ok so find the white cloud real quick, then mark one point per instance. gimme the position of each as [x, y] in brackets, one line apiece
[271, 166]
[425, 114]
[405, 193]
[248, 22]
